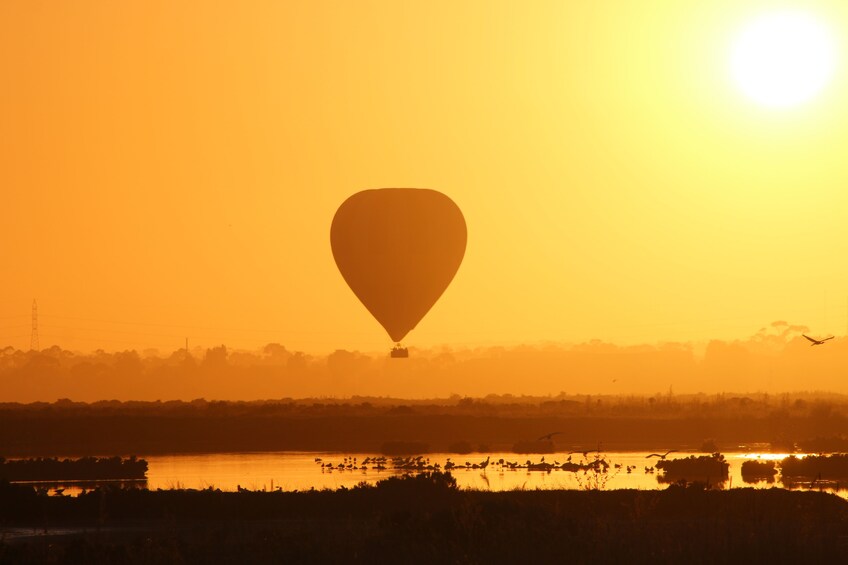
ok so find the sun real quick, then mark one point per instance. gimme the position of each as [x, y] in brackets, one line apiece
[784, 58]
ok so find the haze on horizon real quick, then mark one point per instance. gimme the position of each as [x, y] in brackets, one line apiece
[171, 171]
[776, 360]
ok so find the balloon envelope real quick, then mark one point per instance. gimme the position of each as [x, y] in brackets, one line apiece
[398, 249]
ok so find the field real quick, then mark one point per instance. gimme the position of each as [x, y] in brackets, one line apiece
[718, 422]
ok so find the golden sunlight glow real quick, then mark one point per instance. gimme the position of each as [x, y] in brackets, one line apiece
[182, 169]
[765, 456]
[783, 58]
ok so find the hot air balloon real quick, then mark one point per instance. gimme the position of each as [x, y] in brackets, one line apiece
[398, 249]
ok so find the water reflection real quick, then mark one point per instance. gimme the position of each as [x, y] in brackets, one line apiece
[494, 471]
[73, 488]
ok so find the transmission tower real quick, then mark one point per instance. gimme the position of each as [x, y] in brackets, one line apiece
[33, 340]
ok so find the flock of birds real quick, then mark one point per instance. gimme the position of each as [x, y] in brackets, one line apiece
[420, 463]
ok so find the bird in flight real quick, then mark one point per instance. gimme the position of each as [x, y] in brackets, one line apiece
[549, 436]
[584, 452]
[661, 456]
[817, 341]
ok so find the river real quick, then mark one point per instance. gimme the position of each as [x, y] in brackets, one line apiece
[306, 470]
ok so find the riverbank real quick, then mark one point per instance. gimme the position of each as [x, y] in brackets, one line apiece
[423, 518]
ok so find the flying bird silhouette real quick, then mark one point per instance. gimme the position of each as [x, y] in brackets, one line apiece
[816, 341]
[661, 456]
[584, 452]
[548, 436]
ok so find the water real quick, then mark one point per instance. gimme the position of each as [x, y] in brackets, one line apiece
[299, 471]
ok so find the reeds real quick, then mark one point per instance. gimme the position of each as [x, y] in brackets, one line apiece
[426, 519]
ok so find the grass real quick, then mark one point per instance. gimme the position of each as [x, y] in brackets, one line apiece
[426, 518]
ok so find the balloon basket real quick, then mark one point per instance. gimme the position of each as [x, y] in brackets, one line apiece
[399, 352]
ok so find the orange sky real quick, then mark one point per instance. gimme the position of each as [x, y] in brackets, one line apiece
[171, 169]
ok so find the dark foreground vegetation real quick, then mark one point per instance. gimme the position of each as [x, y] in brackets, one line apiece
[394, 426]
[423, 519]
[82, 469]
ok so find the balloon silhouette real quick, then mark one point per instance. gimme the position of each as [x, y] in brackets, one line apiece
[398, 249]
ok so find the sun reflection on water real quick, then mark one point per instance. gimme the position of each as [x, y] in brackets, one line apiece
[304, 471]
[769, 456]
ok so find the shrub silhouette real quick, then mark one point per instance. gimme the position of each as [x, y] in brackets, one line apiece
[812, 466]
[84, 468]
[706, 468]
[753, 471]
